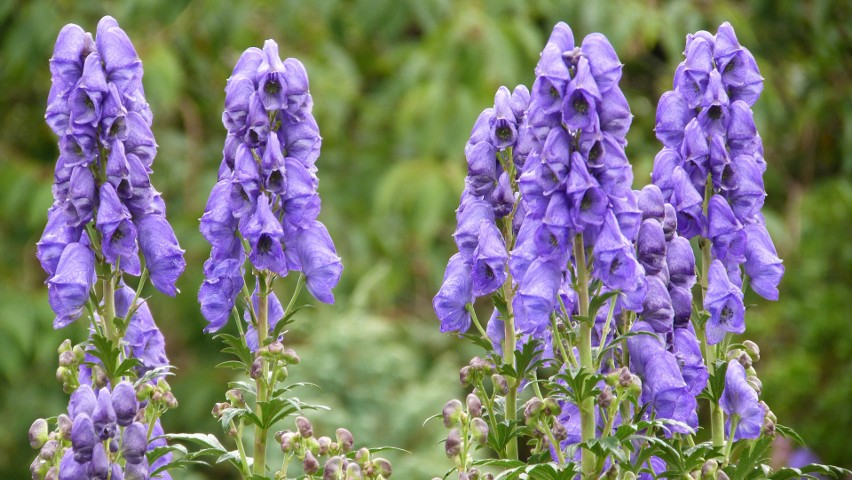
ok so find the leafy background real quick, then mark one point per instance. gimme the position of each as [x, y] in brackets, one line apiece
[397, 86]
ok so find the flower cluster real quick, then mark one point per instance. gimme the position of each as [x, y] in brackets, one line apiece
[97, 108]
[266, 199]
[479, 268]
[575, 181]
[100, 429]
[711, 170]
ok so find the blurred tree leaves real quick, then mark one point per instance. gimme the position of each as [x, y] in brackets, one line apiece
[397, 86]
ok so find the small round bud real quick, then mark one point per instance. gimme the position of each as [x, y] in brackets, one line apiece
[218, 408]
[275, 348]
[63, 374]
[500, 384]
[344, 439]
[48, 450]
[52, 474]
[99, 377]
[750, 372]
[80, 353]
[169, 400]
[383, 467]
[324, 445]
[611, 378]
[768, 429]
[480, 365]
[720, 475]
[256, 368]
[235, 397]
[752, 349]
[64, 423]
[452, 446]
[532, 409]
[474, 405]
[635, 388]
[67, 359]
[65, 346]
[290, 355]
[734, 353]
[143, 392]
[605, 399]
[465, 375]
[452, 412]
[479, 430]
[755, 384]
[310, 464]
[559, 431]
[708, 470]
[745, 360]
[304, 426]
[353, 472]
[333, 468]
[625, 379]
[551, 406]
[362, 456]
[628, 476]
[38, 433]
[287, 441]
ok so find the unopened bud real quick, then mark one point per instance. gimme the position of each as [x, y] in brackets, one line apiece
[708, 470]
[38, 433]
[64, 423]
[310, 464]
[500, 384]
[745, 360]
[219, 408]
[464, 375]
[169, 400]
[344, 439]
[306, 430]
[452, 446]
[532, 409]
[52, 474]
[750, 372]
[99, 378]
[628, 475]
[67, 359]
[605, 398]
[143, 392]
[383, 466]
[65, 346]
[353, 472]
[752, 350]
[479, 430]
[290, 355]
[720, 475]
[235, 396]
[635, 388]
[474, 405]
[362, 456]
[611, 473]
[625, 379]
[232, 431]
[478, 364]
[333, 468]
[63, 374]
[755, 384]
[768, 429]
[734, 354]
[324, 445]
[48, 450]
[256, 370]
[559, 431]
[275, 348]
[287, 441]
[79, 353]
[768, 412]
[451, 412]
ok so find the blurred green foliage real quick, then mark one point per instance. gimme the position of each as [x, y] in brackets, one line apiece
[397, 86]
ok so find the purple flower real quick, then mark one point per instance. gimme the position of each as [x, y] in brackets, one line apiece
[120, 61]
[662, 382]
[471, 212]
[245, 186]
[68, 290]
[218, 224]
[681, 262]
[223, 281]
[301, 202]
[114, 223]
[83, 400]
[57, 235]
[747, 199]
[762, 264]
[740, 400]
[163, 255]
[83, 438]
[450, 303]
[603, 61]
[687, 351]
[672, 116]
[274, 314]
[134, 443]
[489, 261]
[320, 263]
[651, 246]
[144, 339]
[80, 202]
[724, 301]
[681, 304]
[657, 308]
[271, 81]
[579, 110]
[503, 130]
[614, 261]
[729, 238]
[482, 168]
[264, 234]
[687, 202]
[742, 137]
[70, 469]
[99, 465]
[650, 202]
[124, 403]
[536, 296]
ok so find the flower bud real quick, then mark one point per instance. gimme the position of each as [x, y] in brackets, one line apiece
[143, 392]
[362, 456]
[383, 466]
[474, 405]
[63, 374]
[235, 397]
[768, 429]
[48, 450]
[452, 446]
[559, 431]
[768, 412]
[480, 365]
[99, 377]
[287, 441]
[113, 445]
[83, 438]
[605, 398]
[38, 433]
[134, 442]
[52, 474]
[625, 379]
[65, 346]
[124, 403]
[628, 476]
[103, 418]
[324, 445]
[219, 408]
[500, 384]
[256, 368]
[333, 468]
[745, 360]
[452, 412]
[750, 372]
[735, 353]
[306, 430]
[79, 353]
[275, 348]
[752, 349]
[344, 439]
[64, 424]
[551, 407]
[465, 375]
[635, 388]
[353, 472]
[479, 430]
[99, 466]
[169, 400]
[533, 409]
[67, 359]
[310, 464]
[611, 473]
[708, 470]
[720, 475]
[755, 383]
[290, 355]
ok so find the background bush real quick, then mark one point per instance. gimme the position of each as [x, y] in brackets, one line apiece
[397, 86]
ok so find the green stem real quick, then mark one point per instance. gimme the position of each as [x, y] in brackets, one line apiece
[243, 460]
[587, 406]
[472, 312]
[735, 420]
[509, 344]
[560, 455]
[262, 333]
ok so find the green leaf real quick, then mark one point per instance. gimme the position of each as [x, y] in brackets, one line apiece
[236, 346]
[287, 320]
[204, 439]
[789, 433]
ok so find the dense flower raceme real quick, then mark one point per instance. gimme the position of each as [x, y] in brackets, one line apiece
[266, 197]
[97, 108]
[711, 170]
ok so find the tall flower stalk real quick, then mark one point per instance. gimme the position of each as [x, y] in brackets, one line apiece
[107, 223]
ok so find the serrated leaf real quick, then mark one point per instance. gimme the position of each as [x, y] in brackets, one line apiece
[204, 439]
[789, 433]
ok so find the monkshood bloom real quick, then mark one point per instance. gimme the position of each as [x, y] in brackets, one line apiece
[739, 401]
[266, 198]
[97, 108]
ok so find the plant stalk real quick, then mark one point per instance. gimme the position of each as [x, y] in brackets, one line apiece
[587, 406]
[262, 333]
